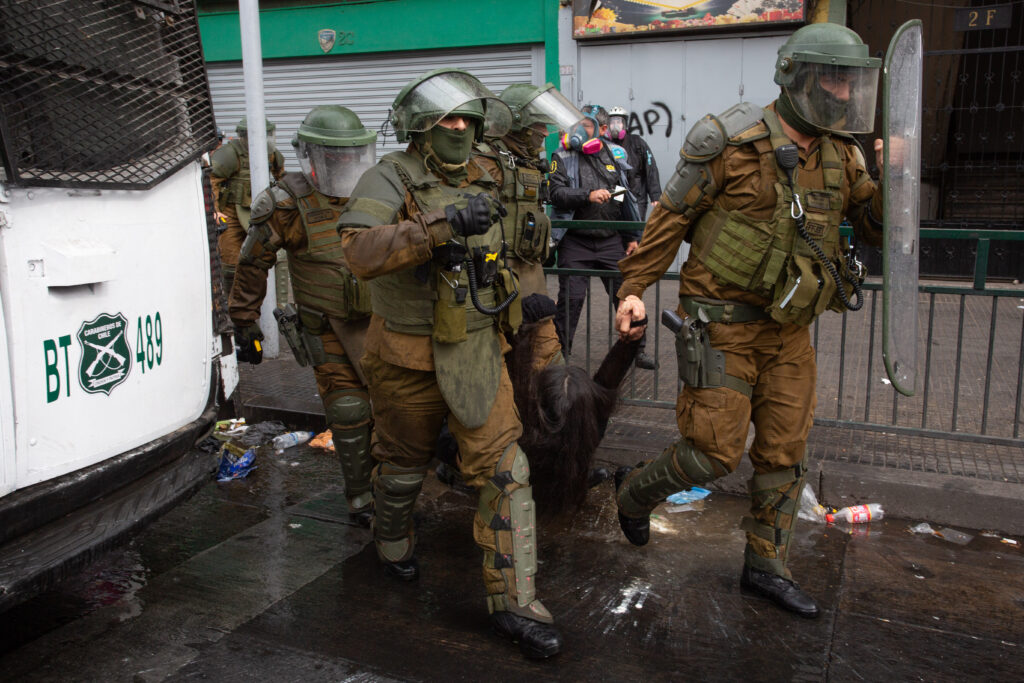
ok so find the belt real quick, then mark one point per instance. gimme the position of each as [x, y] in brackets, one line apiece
[718, 311]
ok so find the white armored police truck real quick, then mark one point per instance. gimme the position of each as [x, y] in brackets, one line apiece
[113, 328]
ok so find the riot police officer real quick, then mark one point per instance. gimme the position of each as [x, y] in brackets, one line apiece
[232, 192]
[299, 213]
[759, 194]
[517, 162]
[423, 228]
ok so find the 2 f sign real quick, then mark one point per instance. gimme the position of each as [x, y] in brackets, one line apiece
[980, 18]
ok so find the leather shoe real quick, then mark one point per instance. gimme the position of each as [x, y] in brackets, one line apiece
[780, 590]
[636, 529]
[536, 640]
[645, 361]
[406, 570]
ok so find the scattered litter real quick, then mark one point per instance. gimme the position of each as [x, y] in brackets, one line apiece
[684, 497]
[695, 506]
[235, 462]
[810, 509]
[226, 429]
[1010, 541]
[991, 534]
[295, 464]
[294, 525]
[954, 536]
[857, 514]
[291, 439]
[260, 433]
[323, 440]
[886, 381]
[922, 528]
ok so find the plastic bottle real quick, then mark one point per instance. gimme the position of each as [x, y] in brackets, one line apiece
[291, 439]
[857, 514]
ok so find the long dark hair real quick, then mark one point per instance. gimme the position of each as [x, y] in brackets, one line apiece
[564, 413]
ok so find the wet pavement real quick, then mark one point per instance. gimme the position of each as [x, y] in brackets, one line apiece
[266, 578]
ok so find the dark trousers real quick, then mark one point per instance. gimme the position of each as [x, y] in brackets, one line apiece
[584, 251]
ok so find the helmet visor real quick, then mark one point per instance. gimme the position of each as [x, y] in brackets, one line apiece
[439, 95]
[552, 109]
[835, 97]
[334, 171]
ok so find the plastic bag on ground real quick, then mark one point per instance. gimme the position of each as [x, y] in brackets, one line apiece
[235, 462]
[323, 440]
[684, 497]
[810, 509]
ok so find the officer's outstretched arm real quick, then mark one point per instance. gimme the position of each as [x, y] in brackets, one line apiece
[258, 255]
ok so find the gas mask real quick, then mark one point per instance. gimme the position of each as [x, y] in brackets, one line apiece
[616, 128]
[578, 138]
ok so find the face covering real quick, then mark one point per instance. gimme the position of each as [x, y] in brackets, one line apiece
[579, 139]
[616, 129]
[451, 146]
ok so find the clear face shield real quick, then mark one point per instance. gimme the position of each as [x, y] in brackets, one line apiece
[837, 98]
[436, 97]
[551, 109]
[334, 171]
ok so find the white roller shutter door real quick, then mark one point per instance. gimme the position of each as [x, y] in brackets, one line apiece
[366, 84]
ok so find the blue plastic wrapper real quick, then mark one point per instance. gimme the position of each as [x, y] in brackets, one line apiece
[684, 497]
[235, 466]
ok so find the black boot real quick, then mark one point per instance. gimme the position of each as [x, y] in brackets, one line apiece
[644, 361]
[780, 590]
[598, 476]
[406, 570]
[536, 639]
[362, 517]
[636, 529]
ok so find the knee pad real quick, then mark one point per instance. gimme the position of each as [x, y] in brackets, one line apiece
[696, 467]
[347, 410]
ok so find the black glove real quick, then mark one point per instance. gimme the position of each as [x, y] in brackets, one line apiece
[247, 344]
[537, 307]
[475, 219]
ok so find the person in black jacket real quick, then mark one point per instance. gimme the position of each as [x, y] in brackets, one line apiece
[582, 181]
[644, 181]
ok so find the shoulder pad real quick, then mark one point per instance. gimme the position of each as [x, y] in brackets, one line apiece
[263, 206]
[296, 184]
[376, 199]
[705, 141]
[738, 120]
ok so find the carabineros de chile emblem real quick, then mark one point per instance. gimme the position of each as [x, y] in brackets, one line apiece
[106, 358]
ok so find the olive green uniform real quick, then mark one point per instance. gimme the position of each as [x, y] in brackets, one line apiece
[527, 228]
[231, 184]
[333, 311]
[758, 286]
[431, 355]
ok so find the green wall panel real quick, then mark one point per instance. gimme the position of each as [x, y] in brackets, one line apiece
[389, 25]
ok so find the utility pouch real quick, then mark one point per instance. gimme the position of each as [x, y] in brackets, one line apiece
[533, 232]
[700, 366]
[312, 324]
[357, 298]
[511, 318]
[805, 294]
[290, 327]
[450, 309]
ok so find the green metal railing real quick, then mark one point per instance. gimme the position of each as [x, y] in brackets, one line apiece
[971, 339]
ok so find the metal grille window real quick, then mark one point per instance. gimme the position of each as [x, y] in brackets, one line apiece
[101, 93]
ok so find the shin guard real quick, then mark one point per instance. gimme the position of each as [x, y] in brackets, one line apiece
[394, 493]
[774, 500]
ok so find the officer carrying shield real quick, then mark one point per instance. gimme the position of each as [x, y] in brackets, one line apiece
[299, 213]
[232, 192]
[759, 195]
[424, 230]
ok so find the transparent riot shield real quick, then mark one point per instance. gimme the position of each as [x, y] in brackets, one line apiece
[901, 183]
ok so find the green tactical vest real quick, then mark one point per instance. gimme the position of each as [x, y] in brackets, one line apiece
[320, 279]
[521, 194]
[768, 257]
[238, 188]
[407, 299]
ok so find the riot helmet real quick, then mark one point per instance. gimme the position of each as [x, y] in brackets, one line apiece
[243, 129]
[542, 108]
[618, 122]
[829, 78]
[424, 102]
[334, 149]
